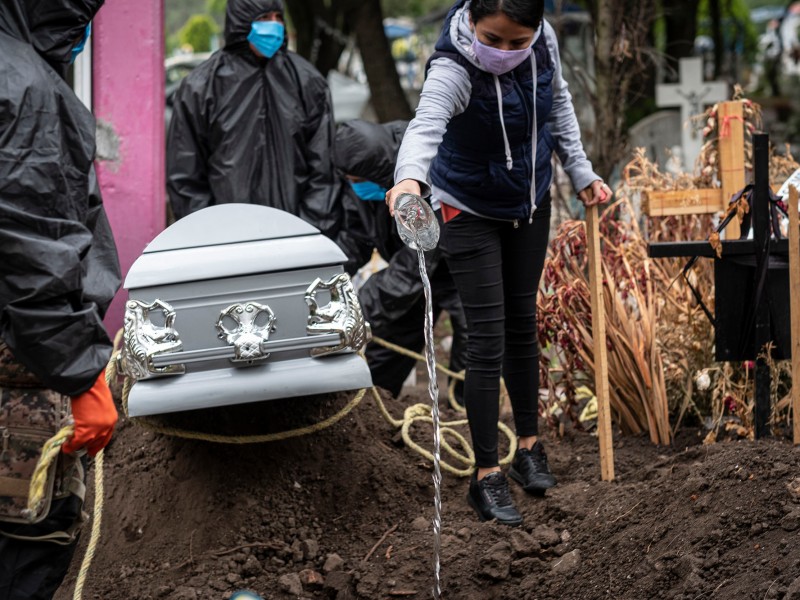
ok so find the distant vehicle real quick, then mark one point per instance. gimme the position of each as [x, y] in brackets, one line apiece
[350, 97]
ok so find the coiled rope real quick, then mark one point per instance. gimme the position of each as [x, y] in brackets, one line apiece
[421, 413]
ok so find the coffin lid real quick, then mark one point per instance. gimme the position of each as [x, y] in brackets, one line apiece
[229, 240]
[230, 224]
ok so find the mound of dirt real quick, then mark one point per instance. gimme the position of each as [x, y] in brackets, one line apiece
[346, 513]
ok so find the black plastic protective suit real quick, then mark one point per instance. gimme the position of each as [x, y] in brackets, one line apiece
[392, 299]
[254, 130]
[59, 269]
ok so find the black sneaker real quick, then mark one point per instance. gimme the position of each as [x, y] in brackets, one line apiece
[491, 499]
[530, 469]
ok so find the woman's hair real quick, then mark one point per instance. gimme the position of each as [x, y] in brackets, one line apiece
[528, 13]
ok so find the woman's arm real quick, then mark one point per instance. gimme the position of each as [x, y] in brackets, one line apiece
[564, 126]
[445, 94]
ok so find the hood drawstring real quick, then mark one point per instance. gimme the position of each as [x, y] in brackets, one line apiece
[534, 133]
[509, 160]
[534, 138]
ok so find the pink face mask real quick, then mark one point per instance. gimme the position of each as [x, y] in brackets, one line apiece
[499, 61]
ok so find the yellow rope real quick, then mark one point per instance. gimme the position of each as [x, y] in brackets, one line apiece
[421, 413]
[455, 377]
[50, 451]
[412, 414]
[417, 356]
[94, 537]
[241, 439]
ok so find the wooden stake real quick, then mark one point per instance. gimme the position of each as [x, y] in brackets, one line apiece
[794, 304]
[599, 343]
[731, 157]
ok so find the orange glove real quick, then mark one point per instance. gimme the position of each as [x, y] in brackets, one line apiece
[95, 416]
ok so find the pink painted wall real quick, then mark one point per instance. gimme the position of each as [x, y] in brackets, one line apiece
[128, 99]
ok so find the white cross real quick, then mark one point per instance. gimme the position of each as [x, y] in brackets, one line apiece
[692, 94]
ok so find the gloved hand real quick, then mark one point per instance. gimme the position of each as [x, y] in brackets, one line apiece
[95, 416]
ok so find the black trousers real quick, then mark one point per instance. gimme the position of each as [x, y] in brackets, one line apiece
[496, 267]
[34, 570]
[388, 368]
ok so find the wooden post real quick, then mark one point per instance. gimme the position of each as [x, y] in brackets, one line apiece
[731, 157]
[599, 343]
[762, 236]
[794, 303]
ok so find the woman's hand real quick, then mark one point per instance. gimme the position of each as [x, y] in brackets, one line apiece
[407, 186]
[597, 193]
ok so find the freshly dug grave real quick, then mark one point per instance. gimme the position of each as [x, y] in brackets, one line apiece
[301, 518]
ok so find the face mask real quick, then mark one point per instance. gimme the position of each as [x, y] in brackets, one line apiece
[267, 37]
[78, 48]
[369, 190]
[498, 61]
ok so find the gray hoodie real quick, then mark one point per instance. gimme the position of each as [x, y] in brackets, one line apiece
[446, 94]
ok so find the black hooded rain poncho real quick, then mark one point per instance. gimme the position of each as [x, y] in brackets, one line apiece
[59, 269]
[392, 299]
[255, 130]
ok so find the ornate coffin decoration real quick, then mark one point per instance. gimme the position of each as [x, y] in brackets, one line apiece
[253, 322]
[143, 340]
[341, 315]
[233, 272]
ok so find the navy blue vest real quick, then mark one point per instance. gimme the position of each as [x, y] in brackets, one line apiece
[471, 162]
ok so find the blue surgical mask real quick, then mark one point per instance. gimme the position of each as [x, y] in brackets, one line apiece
[267, 36]
[369, 190]
[78, 48]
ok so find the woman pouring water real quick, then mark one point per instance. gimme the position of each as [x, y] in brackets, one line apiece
[493, 109]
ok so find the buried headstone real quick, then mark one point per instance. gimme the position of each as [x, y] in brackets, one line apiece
[659, 134]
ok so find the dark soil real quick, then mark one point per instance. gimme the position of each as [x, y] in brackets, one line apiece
[300, 518]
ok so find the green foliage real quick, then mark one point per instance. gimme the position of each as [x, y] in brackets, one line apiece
[736, 24]
[412, 8]
[177, 12]
[197, 33]
[171, 44]
[751, 4]
[216, 8]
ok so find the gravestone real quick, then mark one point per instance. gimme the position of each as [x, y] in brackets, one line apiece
[692, 95]
[658, 134]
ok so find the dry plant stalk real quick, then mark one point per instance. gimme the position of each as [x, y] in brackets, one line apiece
[695, 383]
[661, 345]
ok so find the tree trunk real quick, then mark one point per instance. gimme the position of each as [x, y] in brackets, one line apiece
[388, 98]
[715, 14]
[605, 106]
[301, 13]
[321, 31]
[621, 58]
[680, 18]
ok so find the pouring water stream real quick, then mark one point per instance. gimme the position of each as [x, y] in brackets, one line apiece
[419, 230]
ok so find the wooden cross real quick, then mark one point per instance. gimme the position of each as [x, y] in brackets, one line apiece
[731, 174]
[759, 249]
[692, 94]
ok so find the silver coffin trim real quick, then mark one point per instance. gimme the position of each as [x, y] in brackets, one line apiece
[269, 381]
[269, 347]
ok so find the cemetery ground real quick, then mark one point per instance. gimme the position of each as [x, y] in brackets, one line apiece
[345, 513]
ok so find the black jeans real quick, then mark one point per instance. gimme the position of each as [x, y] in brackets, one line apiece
[496, 268]
[34, 570]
